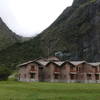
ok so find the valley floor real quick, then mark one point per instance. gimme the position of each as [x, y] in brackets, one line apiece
[48, 91]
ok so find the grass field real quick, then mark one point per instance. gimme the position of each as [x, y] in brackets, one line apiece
[48, 91]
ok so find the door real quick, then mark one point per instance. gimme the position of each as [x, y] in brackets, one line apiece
[41, 74]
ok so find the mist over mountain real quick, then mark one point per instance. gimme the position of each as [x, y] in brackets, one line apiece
[75, 34]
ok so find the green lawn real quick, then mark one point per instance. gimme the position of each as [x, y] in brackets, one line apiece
[48, 91]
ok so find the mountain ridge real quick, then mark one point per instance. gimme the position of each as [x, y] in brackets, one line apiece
[75, 34]
[7, 37]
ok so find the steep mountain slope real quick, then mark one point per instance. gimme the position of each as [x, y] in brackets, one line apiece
[21, 52]
[76, 33]
[7, 37]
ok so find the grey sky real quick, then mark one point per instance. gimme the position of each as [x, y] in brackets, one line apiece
[29, 17]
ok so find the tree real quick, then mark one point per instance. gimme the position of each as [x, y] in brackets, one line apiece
[4, 73]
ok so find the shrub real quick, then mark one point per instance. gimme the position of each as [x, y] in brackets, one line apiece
[13, 76]
[4, 73]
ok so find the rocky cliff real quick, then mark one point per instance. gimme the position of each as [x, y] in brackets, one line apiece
[76, 31]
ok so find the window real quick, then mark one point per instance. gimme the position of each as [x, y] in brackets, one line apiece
[32, 68]
[72, 69]
[72, 76]
[95, 69]
[32, 75]
[57, 69]
[99, 69]
[89, 77]
[56, 76]
[78, 68]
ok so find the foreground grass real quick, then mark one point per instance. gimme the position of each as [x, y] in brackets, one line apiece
[48, 91]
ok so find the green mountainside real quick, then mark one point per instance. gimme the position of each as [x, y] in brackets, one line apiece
[75, 34]
[21, 52]
[7, 37]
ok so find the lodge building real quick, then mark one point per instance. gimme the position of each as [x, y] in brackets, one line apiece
[54, 70]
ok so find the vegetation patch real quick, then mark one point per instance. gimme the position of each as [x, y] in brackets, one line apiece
[10, 90]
